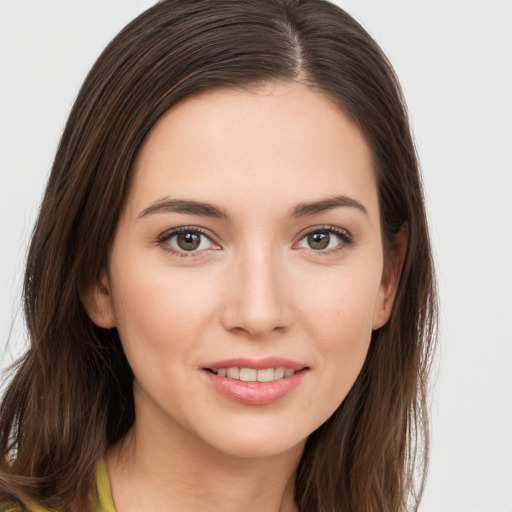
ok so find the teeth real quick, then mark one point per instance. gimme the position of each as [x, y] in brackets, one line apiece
[266, 375]
[253, 375]
[248, 374]
[279, 373]
[233, 373]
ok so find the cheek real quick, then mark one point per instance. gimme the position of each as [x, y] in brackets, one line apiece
[342, 337]
[163, 310]
[337, 313]
[341, 301]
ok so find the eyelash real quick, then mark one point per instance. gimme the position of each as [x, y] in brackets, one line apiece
[346, 240]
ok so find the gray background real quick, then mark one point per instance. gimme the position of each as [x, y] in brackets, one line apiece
[454, 59]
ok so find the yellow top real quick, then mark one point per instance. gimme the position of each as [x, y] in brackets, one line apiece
[105, 504]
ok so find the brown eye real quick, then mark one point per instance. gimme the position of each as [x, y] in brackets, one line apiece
[319, 240]
[326, 240]
[186, 242]
[189, 241]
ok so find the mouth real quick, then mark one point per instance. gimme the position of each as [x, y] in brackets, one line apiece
[255, 381]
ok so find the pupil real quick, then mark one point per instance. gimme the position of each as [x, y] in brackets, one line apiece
[319, 240]
[188, 241]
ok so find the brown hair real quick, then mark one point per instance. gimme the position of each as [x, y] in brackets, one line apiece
[70, 397]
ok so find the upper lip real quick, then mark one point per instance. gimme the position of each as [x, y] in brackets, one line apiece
[257, 364]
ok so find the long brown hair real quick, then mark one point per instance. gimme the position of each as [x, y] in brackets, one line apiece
[70, 397]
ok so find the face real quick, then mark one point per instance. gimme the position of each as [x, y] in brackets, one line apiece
[247, 272]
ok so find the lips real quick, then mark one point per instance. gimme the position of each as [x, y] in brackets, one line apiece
[255, 382]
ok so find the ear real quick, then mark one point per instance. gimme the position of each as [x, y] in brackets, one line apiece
[97, 301]
[390, 279]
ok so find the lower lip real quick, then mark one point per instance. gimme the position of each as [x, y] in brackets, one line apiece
[255, 393]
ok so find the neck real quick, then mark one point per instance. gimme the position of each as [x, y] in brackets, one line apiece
[171, 469]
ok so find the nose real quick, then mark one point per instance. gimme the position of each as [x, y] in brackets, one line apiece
[256, 302]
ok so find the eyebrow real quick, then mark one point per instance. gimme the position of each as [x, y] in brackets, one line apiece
[169, 205]
[314, 207]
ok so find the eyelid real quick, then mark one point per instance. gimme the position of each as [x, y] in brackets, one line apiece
[325, 227]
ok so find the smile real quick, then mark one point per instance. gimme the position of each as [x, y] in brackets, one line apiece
[255, 381]
[253, 375]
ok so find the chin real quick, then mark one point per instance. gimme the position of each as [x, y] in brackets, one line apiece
[258, 447]
[255, 440]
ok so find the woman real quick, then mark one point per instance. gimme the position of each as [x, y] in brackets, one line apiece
[229, 290]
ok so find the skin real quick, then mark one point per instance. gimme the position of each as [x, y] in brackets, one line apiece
[254, 288]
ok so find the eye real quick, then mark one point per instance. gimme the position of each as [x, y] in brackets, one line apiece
[186, 241]
[325, 239]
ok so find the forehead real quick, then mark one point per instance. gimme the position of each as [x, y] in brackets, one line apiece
[248, 147]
